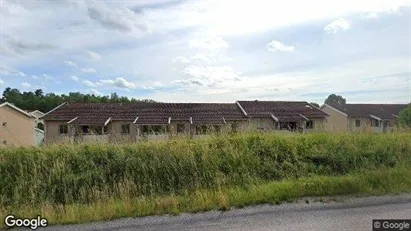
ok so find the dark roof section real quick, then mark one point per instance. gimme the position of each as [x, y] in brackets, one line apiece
[283, 111]
[382, 111]
[146, 113]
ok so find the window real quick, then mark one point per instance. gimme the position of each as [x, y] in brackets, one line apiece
[357, 123]
[145, 129]
[40, 126]
[63, 129]
[125, 128]
[4, 142]
[181, 128]
[85, 129]
[4, 124]
[309, 124]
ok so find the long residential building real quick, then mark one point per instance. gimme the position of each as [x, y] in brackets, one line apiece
[112, 122]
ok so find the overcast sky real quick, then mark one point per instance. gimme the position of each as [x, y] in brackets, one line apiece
[209, 51]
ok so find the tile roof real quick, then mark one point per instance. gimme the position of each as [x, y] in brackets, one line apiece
[383, 111]
[147, 113]
[284, 111]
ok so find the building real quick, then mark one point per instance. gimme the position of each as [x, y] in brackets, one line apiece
[37, 115]
[112, 122]
[376, 118]
[283, 115]
[17, 127]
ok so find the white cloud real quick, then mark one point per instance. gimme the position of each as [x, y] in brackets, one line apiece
[75, 78]
[88, 70]
[93, 55]
[88, 83]
[247, 17]
[35, 77]
[119, 19]
[1, 82]
[95, 92]
[180, 59]
[23, 47]
[25, 85]
[337, 26]
[275, 45]
[120, 83]
[8, 71]
[209, 76]
[70, 63]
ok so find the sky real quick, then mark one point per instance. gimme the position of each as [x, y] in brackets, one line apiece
[211, 50]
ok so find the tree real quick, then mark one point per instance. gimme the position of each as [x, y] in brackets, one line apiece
[335, 99]
[37, 100]
[404, 117]
[315, 104]
[38, 93]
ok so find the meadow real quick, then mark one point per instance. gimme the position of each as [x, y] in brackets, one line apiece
[83, 183]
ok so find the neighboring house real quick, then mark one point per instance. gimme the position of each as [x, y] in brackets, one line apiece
[17, 126]
[37, 115]
[111, 122]
[376, 118]
[283, 115]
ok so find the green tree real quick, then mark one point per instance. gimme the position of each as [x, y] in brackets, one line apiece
[335, 99]
[315, 104]
[37, 100]
[38, 93]
[404, 117]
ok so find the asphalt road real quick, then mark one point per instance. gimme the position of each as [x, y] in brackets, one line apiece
[343, 214]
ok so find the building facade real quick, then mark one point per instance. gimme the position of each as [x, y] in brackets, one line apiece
[17, 127]
[376, 118]
[130, 122]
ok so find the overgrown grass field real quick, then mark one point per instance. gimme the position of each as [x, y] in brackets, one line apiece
[81, 183]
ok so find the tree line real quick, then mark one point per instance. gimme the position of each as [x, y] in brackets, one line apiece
[37, 100]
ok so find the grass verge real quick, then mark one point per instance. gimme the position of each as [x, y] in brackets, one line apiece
[375, 182]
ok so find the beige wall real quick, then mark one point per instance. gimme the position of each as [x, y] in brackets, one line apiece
[52, 132]
[115, 132]
[19, 130]
[262, 124]
[335, 121]
[319, 124]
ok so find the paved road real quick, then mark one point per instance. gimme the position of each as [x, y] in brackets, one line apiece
[343, 214]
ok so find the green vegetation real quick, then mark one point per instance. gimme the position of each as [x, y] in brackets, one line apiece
[404, 117]
[92, 182]
[37, 100]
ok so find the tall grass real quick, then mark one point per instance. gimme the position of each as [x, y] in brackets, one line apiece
[67, 174]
